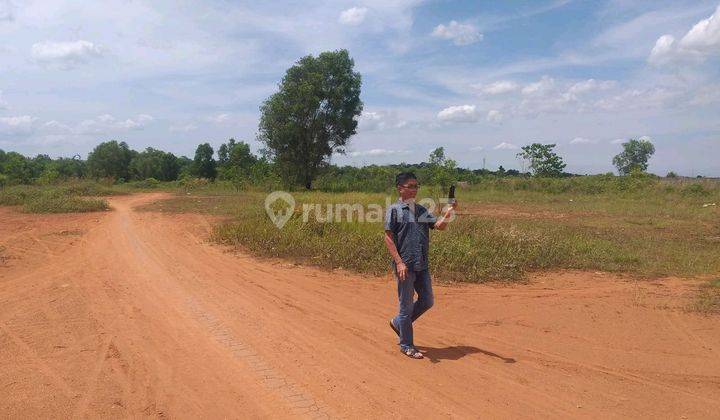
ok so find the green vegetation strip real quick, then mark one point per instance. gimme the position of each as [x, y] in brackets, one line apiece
[653, 231]
[75, 197]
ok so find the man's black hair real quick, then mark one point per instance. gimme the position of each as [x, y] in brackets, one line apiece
[404, 177]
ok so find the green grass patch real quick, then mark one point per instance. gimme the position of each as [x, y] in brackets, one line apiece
[502, 235]
[71, 197]
[59, 202]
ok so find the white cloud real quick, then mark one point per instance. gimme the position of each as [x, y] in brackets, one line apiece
[618, 141]
[476, 148]
[3, 104]
[218, 119]
[582, 140]
[459, 113]
[353, 16]
[494, 115]
[498, 88]
[699, 43]
[106, 123]
[590, 85]
[505, 146]
[377, 152]
[543, 85]
[56, 127]
[20, 121]
[645, 138]
[65, 54]
[379, 120]
[459, 33]
[17, 124]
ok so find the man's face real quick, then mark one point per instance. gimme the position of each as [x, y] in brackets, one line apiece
[408, 189]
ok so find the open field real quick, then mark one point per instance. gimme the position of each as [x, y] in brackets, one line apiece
[504, 229]
[128, 314]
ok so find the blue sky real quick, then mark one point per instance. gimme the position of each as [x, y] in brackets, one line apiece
[480, 78]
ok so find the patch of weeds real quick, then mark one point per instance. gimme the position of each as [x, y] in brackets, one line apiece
[57, 202]
[707, 300]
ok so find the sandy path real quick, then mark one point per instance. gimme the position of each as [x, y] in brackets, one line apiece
[127, 314]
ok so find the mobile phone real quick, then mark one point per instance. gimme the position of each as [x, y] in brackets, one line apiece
[451, 194]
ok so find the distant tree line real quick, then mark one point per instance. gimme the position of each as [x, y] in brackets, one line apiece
[235, 162]
[116, 161]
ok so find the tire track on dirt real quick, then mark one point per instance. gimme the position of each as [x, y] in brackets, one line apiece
[297, 399]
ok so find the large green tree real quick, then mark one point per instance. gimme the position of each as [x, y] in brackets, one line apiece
[110, 160]
[634, 157]
[312, 115]
[544, 162]
[153, 163]
[204, 165]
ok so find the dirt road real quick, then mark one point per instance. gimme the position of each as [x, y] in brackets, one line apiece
[126, 314]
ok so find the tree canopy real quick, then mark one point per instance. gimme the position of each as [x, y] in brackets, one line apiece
[312, 115]
[153, 163]
[443, 169]
[634, 157]
[204, 165]
[544, 162]
[110, 160]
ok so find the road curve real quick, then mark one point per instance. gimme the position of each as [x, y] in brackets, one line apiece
[135, 314]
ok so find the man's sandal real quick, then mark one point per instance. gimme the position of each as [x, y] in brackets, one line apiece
[412, 353]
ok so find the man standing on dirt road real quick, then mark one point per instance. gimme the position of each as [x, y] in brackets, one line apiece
[407, 237]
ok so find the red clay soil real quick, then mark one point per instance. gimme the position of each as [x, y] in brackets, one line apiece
[134, 314]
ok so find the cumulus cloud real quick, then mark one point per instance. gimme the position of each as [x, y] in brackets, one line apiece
[697, 45]
[494, 116]
[17, 124]
[20, 121]
[353, 16]
[107, 123]
[376, 152]
[582, 140]
[498, 88]
[505, 146]
[56, 127]
[379, 120]
[65, 54]
[458, 33]
[590, 85]
[543, 85]
[459, 113]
